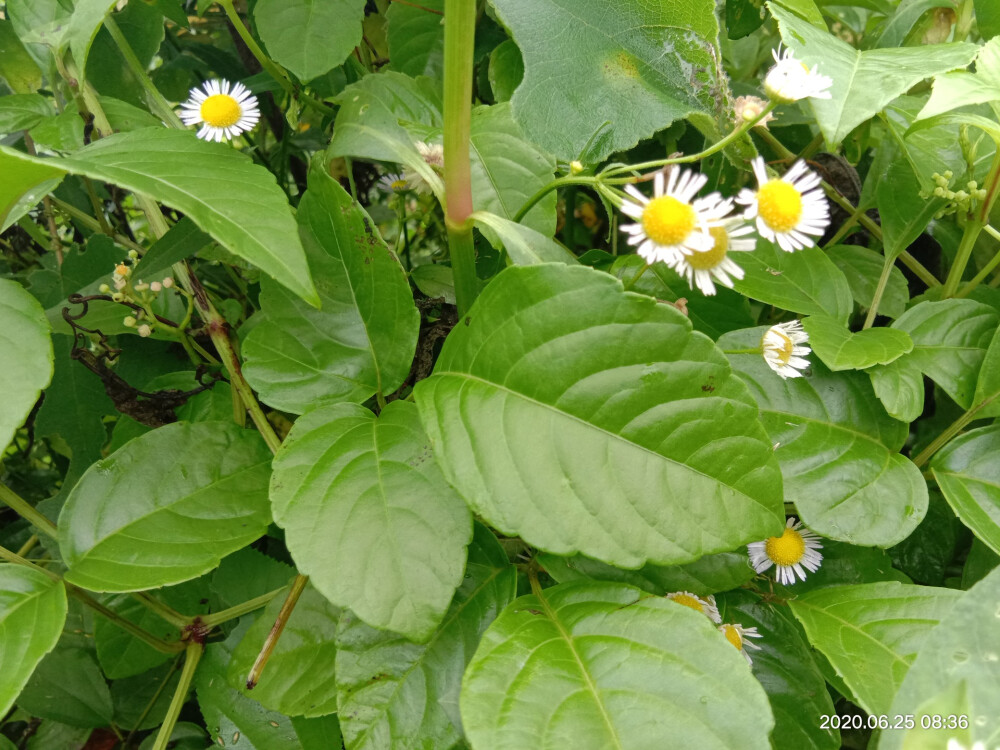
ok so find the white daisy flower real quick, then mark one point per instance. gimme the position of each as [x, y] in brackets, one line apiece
[700, 266]
[393, 183]
[791, 79]
[704, 604]
[783, 350]
[748, 108]
[737, 635]
[789, 553]
[672, 222]
[787, 209]
[223, 111]
[433, 155]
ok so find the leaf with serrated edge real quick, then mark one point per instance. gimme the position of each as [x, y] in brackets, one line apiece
[837, 449]
[871, 633]
[32, 613]
[166, 507]
[841, 349]
[235, 201]
[587, 419]
[962, 88]
[595, 666]
[368, 516]
[968, 473]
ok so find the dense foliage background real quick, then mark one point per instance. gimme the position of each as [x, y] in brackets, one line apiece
[354, 420]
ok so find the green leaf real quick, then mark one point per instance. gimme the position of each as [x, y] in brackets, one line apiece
[898, 26]
[362, 339]
[245, 575]
[900, 388]
[23, 111]
[597, 422]
[416, 38]
[235, 201]
[32, 613]
[40, 21]
[987, 18]
[523, 244]
[806, 282]
[962, 88]
[968, 474]
[926, 554]
[599, 68]
[506, 70]
[862, 268]
[837, 449]
[864, 82]
[196, 492]
[904, 213]
[399, 694]
[233, 719]
[709, 575]
[24, 337]
[958, 656]
[368, 516]
[784, 666]
[142, 701]
[23, 180]
[124, 117]
[577, 664]
[17, 69]
[309, 37]
[841, 349]
[300, 677]
[985, 401]
[435, 281]
[871, 633]
[67, 686]
[181, 241]
[743, 17]
[86, 21]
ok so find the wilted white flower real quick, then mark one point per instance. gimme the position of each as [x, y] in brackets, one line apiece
[737, 635]
[782, 346]
[704, 604]
[791, 554]
[748, 108]
[223, 111]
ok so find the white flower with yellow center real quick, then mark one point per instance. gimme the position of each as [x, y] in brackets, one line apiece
[393, 183]
[787, 209]
[737, 635]
[701, 267]
[672, 222]
[782, 346]
[704, 604]
[223, 111]
[791, 79]
[791, 554]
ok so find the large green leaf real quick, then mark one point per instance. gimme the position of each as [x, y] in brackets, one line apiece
[958, 663]
[166, 507]
[900, 387]
[837, 449]
[399, 694]
[872, 632]
[17, 69]
[362, 339]
[783, 664]
[968, 473]
[988, 18]
[28, 360]
[40, 21]
[805, 282]
[863, 81]
[67, 686]
[904, 212]
[614, 69]
[523, 244]
[416, 38]
[23, 185]
[23, 111]
[299, 680]
[32, 613]
[590, 420]
[962, 88]
[862, 267]
[86, 21]
[842, 349]
[309, 37]
[368, 516]
[235, 201]
[986, 400]
[595, 666]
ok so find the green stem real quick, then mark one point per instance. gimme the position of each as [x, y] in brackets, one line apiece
[27, 511]
[883, 280]
[156, 100]
[953, 429]
[169, 614]
[846, 227]
[962, 255]
[191, 658]
[298, 585]
[987, 269]
[554, 185]
[91, 223]
[459, 39]
[635, 278]
[225, 615]
[13, 557]
[276, 71]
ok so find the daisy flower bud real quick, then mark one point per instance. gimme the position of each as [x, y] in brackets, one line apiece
[791, 554]
[791, 79]
[575, 167]
[104, 289]
[706, 605]
[748, 108]
[129, 322]
[787, 209]
[144, 330]
[737, 635]
[782, 346]
[133, 254]
[223, 111]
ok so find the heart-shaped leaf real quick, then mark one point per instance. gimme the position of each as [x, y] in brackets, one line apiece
[309, 37]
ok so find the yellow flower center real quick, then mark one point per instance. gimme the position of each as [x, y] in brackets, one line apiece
[787, 347]
[787, 549]
[221, 111]
[689, 601]
[733, 636]
[780, 205]
[668, 221]
[398, 185]
[709, 259]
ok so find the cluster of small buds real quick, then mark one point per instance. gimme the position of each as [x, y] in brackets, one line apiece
[958, 200]
[140, 293]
